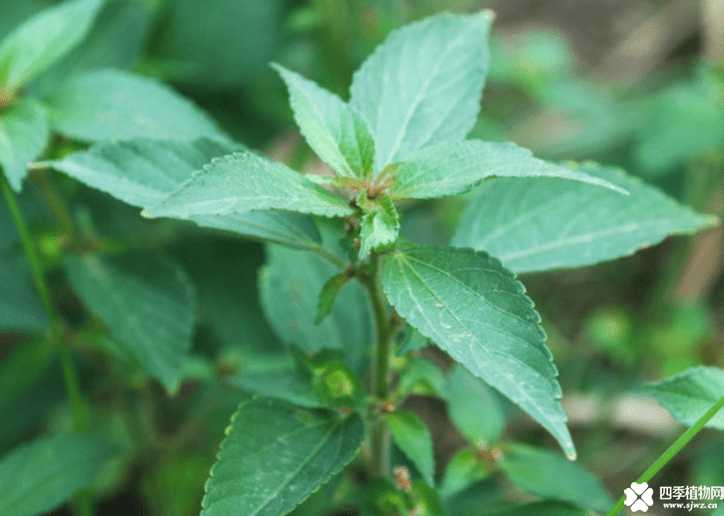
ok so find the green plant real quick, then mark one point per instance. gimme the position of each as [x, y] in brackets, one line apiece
[353, 300]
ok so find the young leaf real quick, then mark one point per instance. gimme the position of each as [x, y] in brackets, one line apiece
[542, 224]
[423, 84]
[451, 168]
[104, 104]
[142, 172]
[43, 40]
[464, 469]
[550, 475]
[413, 438]
[23, 136]
[690, 394]
[333, 129]
[474, 407]
[380, 225]
[420, 376]
[147, 303]
[425, 500]
[40, 476]
[290, 284]
[241, 183]
[20, 306]
[329, 294]
[476, 311]
[275, 455]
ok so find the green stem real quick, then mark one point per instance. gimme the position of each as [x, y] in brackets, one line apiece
[330, 257]
[672, 450]
[70, 376]
[57, 205]
[385, 329]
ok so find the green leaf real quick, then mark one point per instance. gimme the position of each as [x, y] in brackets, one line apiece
[172, 486]
[42, 41]
[412, 340]
[281, 227]
[420, 376]
[285, 383]
[218, 43]
[413, 438]
[550, 475]
[22, 366]
[680, 123]
[20, 305]
[425, 500]
[690, 394]
[40, 476]
[142, 172]
[380, 225]
[333, 129]
[231, 323]
[290, 284]
[105, 104]
[241, 183]
[423, 84]
[275, 455]
[116, 40]
[476, 311]
[545, 508]
[23, 136]
[464, 469]
[541, 224]
[451, 168]
[474, 407]
[147, 303]
[329, 294]
[16, 12]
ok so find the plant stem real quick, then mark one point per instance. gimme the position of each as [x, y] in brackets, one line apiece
[57, 205]
[82, 502]
[672, 450]
[70, 376]
[380, 439]
[330, 257]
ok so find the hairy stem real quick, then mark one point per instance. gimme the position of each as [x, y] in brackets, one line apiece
[672, 450]
[70, 376]
[380, 439]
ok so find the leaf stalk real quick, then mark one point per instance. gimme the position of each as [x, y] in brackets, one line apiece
[70, 376]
